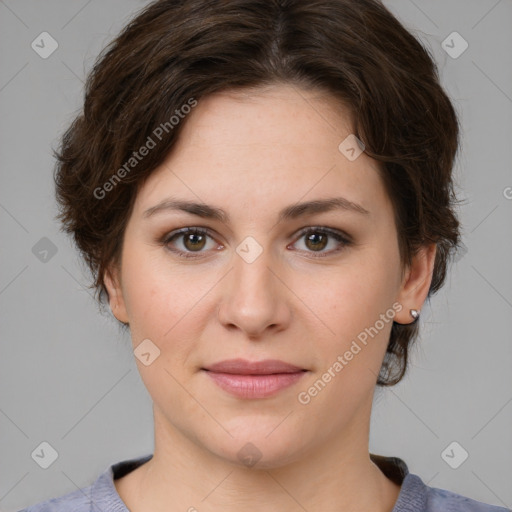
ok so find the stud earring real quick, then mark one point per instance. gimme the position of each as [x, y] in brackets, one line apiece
[415, 314]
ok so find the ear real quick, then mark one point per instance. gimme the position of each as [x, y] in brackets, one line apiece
[112, 281]
[416, 283]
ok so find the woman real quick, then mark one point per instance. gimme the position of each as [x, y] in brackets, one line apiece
[263, 192]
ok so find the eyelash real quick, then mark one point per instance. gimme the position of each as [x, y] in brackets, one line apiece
[344, 240]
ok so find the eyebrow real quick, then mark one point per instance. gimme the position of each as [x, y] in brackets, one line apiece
[290, 212]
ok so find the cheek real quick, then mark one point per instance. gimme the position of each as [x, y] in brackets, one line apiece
[163, 301]
[162, 306]
[349, 358]
[354, 295]
[149, 295]
[355, 307]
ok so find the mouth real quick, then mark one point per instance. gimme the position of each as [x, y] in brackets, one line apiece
[254, 379]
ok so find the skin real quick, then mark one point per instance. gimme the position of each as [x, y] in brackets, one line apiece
[253, 154]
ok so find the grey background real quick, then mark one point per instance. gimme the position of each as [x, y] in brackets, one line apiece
[67, 374]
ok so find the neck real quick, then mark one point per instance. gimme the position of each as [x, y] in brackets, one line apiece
[338, 476]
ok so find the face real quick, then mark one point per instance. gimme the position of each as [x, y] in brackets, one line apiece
[267, 271]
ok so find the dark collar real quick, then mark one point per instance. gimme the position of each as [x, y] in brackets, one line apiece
[393, 467]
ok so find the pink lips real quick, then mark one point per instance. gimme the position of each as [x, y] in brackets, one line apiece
[253, 379]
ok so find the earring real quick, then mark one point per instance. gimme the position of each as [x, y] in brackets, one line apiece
[415, 314]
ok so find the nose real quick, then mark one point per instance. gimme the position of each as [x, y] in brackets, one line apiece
[254, 297]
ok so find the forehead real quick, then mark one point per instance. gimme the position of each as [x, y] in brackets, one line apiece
[271, 115]
[277, 144]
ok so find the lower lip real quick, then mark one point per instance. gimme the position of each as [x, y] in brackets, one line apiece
[254, 386]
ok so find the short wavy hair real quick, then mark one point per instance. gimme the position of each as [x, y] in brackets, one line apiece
[177, 51]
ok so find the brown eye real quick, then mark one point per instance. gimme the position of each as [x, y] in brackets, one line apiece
[194, 241]
[316, 241]
[189, 242]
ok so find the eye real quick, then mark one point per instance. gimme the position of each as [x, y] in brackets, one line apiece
[316, 239]
[191, 240]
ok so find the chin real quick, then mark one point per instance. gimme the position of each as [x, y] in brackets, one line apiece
[256, 449]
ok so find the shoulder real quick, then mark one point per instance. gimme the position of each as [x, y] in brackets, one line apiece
[101, 495]
[442, 500]
[416, 496]
[419, 497]
[77, 501]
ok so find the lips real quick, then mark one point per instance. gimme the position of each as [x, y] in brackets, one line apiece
[254, 379]
[244, 367]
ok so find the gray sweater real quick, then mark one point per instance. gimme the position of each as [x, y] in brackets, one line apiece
[414, 495]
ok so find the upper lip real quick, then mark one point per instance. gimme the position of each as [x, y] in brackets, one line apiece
[244, 367]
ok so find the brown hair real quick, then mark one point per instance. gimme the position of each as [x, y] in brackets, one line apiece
[177, 51]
